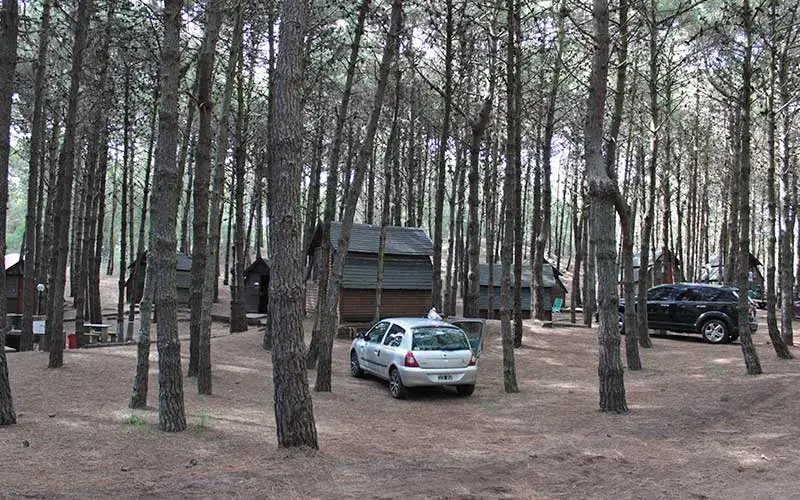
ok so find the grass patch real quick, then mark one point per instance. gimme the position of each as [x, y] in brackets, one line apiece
[201, 419]
[135, 420]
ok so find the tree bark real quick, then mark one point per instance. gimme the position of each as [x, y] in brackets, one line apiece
[547, 151]
[163, 222]
[238, 321]
[602, 189]
[9, 29]
[62, 205]
[332, 182]
[211, 278]
[781, 349]
[441, 159]
[123, 212]
[37, 134]
[294, 414]
[751, 360]
[201, 181]
[507, 253]
[140, 379]
[328, 319]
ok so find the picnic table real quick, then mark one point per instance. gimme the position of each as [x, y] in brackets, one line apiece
[99, 331]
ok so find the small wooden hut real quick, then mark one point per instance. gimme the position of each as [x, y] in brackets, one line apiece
[407, 271]
[663, 267]
[714, 271]
[256, 286]
[134, 286]
[15, 267]
[552, 287]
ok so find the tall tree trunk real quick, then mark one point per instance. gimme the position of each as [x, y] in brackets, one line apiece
[332, 182]
[37, 134]
[547, 151]
[490, 196]
[163, 222]
[123, 212]
[186, 145]
[9, 29]
[781, 349]
[441, 158]
[140, 248]
[748, 349]
[602, 190]
[507, 254]
[96, 159]
[205, 136]
[478, 128]
[183, 241]
[788, 213]
[211, 277]
[328, 318]
[62, 205]
[140, 379]
[110, 245]
[294, 414]
[391, 150]
[238, 321]
[627, 215]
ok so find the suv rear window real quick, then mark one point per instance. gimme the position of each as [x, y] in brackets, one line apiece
[438, 339]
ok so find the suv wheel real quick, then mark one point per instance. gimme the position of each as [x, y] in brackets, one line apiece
[715, 331]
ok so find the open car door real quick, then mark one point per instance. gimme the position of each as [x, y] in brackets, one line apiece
[473, 327]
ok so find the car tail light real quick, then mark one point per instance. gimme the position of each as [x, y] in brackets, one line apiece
[472, 361]
[411, 360]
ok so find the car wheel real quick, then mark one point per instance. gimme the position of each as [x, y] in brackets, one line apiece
[715, 331]
[465, 390]
[355, 366]
[396, 386]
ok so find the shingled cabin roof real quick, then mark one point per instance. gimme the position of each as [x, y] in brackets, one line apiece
[407, 263]
[549, 275]
[365, 238]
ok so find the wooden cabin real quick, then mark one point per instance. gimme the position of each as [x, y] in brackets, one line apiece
[134, 286]
[256, 286]
[15, 267]
[714, 271]
[552, 287]
[662, 267]
[407, 271]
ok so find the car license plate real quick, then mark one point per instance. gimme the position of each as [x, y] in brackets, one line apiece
[443, 378]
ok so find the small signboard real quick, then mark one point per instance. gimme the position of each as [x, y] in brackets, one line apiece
[38, 327]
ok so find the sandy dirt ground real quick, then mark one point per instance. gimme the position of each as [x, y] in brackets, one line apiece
[698, 428]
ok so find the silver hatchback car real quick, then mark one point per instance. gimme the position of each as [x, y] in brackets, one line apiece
[411, 352]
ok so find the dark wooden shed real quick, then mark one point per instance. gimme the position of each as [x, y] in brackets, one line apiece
[552, 287]
[714, 271]
[15, 267]
[663, 267]
[407, 271]
[134, 286]
[256, 286]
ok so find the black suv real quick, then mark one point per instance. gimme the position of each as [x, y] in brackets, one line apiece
[709, 310]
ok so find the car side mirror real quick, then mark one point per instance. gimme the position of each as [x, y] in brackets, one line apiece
[361, 335]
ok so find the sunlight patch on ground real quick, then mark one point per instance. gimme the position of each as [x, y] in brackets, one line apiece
[725, 361]
[235, 369]
[551, 361]
[749, 457]
[570, 386]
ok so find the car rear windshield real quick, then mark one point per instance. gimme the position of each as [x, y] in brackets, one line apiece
[437, 338]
